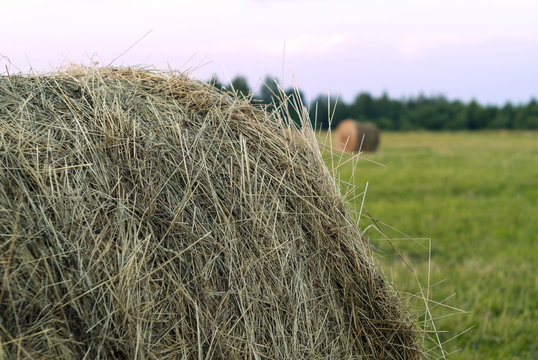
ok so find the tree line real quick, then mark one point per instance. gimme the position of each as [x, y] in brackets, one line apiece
[418, 113]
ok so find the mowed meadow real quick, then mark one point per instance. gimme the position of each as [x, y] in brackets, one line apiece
[462, 208]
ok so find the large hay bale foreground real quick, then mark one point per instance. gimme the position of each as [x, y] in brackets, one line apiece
[146, 215]
[352, 136]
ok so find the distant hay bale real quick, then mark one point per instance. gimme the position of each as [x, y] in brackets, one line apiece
[352, 136]
[146, 215]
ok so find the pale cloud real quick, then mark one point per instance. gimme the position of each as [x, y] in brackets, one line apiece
[305, 44]
[415, 47]
[418, 46]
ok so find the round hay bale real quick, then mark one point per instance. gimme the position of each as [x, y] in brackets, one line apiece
[149, 216]
[352, 136]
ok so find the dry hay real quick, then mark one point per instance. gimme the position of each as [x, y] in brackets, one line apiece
[352, 136]
[147, 215]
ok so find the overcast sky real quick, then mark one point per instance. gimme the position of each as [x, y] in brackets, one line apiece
[463, 49]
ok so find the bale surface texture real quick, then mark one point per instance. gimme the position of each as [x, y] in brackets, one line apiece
[352, 136]
[146, 215]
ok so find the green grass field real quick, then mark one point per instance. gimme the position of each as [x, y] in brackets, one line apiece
[476, 196]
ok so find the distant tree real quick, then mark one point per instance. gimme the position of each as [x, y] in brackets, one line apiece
[458, 116]
[527, 116]
[214, 81]
[532, 121]
[363, 107]
[340, 111]
[321, 112]
[240, 86]
[294, 105]
[270, 92]
[386, 123]
[290, 102]
[421, 112]
[384, 107]
[501, 121]
[476, 116]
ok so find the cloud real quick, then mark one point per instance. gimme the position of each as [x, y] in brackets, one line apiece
[303, 44]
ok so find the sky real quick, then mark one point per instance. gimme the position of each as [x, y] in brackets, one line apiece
[461, 49]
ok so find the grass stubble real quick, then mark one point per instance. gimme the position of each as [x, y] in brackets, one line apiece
[474, 194]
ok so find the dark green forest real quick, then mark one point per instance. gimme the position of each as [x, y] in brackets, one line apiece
[417, 113]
